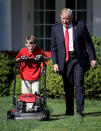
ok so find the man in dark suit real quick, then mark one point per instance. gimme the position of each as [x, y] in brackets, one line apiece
[81, 51]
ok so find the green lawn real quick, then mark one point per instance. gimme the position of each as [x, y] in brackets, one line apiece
[58, 121]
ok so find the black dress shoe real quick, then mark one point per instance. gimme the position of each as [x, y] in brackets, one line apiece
[81, 114]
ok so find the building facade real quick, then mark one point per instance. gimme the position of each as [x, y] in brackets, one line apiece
[19, 18]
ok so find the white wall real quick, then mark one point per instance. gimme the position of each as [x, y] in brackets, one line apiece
[5, 25]
[16, 24]
[60, 4]
[27, 18]
[22, 22]
[97, 17]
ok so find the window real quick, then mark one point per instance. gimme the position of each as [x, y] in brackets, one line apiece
[44, 18]
[79, 8]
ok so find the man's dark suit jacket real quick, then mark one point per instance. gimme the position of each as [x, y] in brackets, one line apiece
[83, 46]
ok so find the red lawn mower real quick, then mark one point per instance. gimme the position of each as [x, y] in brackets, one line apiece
[30, 106]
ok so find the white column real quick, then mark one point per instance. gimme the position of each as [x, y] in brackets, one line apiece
[97, 17]
[89, 16]
[5, 25]
[27, 19]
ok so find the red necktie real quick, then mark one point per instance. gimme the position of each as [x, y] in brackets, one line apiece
[67, 43]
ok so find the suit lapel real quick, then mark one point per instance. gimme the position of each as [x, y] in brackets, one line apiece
[61, 32]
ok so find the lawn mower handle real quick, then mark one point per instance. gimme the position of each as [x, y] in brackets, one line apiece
[36, 58]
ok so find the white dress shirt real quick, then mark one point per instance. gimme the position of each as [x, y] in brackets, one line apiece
[70, 31]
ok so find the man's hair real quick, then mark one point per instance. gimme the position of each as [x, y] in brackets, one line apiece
[66, 11]
[31, 39]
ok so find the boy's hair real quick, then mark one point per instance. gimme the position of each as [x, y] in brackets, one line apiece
[31, 39]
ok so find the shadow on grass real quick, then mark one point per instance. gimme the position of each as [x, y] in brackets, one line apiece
[92, 114]
[62, 116]
[57, 117]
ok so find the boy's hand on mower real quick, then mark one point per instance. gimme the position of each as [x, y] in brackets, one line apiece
[18, 59]
[23, 58]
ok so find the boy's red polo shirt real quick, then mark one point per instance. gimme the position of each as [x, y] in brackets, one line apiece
[30, 70]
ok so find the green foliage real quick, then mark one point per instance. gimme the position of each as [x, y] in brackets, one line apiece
[93, 76]
[93, 83]
[6, 72]
[54, 82]
[97, 43]
[17, 84]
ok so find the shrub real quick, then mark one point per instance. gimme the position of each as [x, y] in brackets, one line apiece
[97, 43]
[54, 82]
[6, 72]
[93, 76]
[93, 83]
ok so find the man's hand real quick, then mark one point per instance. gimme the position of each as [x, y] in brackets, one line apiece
[93, 63]
[56, 68]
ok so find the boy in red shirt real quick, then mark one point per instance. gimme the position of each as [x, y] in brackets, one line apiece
[30, 70]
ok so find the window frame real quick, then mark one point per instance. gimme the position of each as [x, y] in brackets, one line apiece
[44, 24]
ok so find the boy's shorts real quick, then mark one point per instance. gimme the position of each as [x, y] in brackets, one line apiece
[30, 86]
